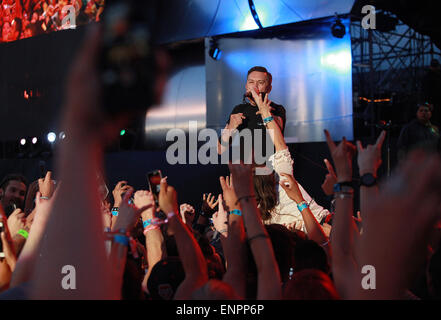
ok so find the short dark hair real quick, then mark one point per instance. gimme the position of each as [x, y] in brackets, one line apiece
[423, 104]
[11, 177]
[261, 69]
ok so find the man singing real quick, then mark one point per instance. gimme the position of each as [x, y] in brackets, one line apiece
[246, 115]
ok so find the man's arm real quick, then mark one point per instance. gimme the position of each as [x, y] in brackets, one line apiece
[226, 133]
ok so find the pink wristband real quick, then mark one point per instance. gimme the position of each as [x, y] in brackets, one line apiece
[150, 228]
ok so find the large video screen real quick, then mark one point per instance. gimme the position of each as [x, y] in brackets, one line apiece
[20, 19]
[312, 79]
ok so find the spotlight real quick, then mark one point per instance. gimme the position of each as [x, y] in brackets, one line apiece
[51, 137]
[254, 13]
[214, 51]
[34, 140]
[122, 132]
[62, 135]
[338, 29]
[23, 141]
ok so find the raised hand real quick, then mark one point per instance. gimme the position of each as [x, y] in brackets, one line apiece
[16, 221]
[369, 158]
[330, 179]
[145, 199]
[120, 188]
[342, 155]
[399, 207]
[209, 204]
[46, 186]
[168, 198]
[229, 194]
[264, 105]
[220, 218]
[291, 188]
[236, 120]
[128, 214]
[187, 213]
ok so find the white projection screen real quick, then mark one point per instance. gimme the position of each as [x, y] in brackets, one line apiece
[312, 79]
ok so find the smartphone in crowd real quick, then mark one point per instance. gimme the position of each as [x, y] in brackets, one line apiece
[127, 63]
[154, 180]
[2, 254]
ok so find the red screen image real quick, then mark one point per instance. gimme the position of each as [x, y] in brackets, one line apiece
[20, 19]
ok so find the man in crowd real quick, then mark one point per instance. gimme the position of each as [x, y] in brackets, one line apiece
[12, 192]
[419, 133]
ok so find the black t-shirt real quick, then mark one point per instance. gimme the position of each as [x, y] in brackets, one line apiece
[254, 121]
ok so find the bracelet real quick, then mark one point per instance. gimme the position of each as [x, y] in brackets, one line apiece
[267, 120]
[44, 198]
[150, 228]
[244, 197]
[236, 212]
[302, 205]
[325, 243]
[223, 231]
[115, 211]
[260, 235]
[23, 233]
[146, 223]
[121, 239]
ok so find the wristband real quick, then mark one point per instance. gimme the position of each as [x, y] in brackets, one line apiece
[115, 211]
[147, 223]
[347, 186]
[269, 119]
[121, 239]
[23, 233]
[150, 228]
[223, 231]
[302, 206]
[44, 198]
[236, 212]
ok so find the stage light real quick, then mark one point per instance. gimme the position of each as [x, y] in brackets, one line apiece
[214, 51]
[338, 29]
[123, 132]
[23, 141]
[51, 137]
[340, 61]
[62, 135]
[254, 13]
[34, 140]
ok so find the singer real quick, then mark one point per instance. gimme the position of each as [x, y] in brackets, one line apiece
[245, 115]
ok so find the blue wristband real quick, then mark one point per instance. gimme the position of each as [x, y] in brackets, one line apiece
[146, 223]
[236, 212]
[121, 239]
[302, 206]
[269, 119]
[115, 211]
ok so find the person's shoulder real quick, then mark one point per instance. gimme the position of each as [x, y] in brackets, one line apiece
[278, 108]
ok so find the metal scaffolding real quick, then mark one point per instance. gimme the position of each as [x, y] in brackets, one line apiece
[388, 65]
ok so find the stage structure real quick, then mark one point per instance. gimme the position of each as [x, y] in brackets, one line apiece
[388, 66]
